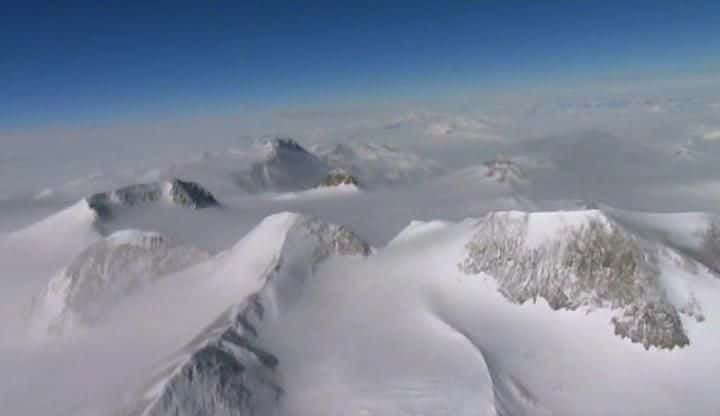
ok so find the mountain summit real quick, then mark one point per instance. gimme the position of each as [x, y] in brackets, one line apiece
[224, 370]
[584, 259]
[174, 191]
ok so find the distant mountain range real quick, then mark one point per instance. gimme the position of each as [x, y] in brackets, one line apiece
[245, 283]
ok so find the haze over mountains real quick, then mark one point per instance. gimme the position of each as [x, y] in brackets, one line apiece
[478, 272]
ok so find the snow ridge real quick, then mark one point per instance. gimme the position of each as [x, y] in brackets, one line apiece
[108, 270]
[223, 371]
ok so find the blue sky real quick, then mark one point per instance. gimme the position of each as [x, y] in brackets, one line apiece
[87, 61]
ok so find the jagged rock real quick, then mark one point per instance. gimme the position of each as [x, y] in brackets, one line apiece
[190, 194]
[338, 177]
[224, 370]
[176, 191]
[112, 268]
[589, 262]
[654, 323]
[282, 145]
[225, 373]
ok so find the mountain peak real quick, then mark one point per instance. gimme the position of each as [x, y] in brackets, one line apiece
[278, 145]
[174, 191]
[225, 370]
[584, 259]
[338, 177]
[190, 194]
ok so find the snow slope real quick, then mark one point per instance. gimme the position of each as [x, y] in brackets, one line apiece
[696, 234]
[416, 329]
[46, 245]
[223, 371]
[108, 270]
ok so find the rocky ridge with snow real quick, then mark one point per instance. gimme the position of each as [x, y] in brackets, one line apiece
[223, 371]
[584, 259]
[338, 177]
[175, 191]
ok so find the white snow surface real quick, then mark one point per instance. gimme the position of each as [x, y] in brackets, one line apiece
[115, 267]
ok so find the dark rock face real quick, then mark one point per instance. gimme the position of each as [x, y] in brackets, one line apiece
[190, 194]
[594, 265]
[179, 192]
[338, 177]
[225, 374]
[286, 145]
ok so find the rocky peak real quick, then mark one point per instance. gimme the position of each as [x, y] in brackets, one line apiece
[190, 194]
[286, 166]
[284, 145]
[175, 191]
[338, 177]
[582, 259]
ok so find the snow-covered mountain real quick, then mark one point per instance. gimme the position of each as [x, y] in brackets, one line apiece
[49, 243]
[286, 166]
[268, 165]
[462, 306]
[108, 270]
[224, 370]
[174, 192]
[364, 332]
[584, 259]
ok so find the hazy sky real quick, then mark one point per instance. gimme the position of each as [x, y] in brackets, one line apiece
[88, 61]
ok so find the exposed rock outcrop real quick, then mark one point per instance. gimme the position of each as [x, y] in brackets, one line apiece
[581, 259]
[338, 177]
[175, 191]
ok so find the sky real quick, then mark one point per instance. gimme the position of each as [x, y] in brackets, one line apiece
[87, 61]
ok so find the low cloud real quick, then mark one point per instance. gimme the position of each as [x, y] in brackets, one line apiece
[712, 135]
